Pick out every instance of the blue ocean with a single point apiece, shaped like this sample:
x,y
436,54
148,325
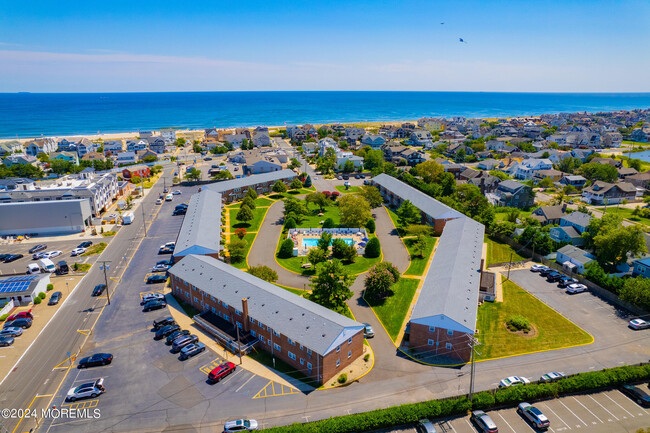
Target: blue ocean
x,y
31,114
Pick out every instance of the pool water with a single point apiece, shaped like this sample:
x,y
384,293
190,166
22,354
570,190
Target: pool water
x,y
310,243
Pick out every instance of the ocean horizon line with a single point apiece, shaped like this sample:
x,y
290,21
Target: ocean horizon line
x,y
27,92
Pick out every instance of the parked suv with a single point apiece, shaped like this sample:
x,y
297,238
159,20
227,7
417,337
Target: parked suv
x,y
37,248
553,277
24,323
159,323
181,342
165,331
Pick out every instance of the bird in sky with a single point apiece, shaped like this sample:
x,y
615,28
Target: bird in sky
x,y
442,23
462,41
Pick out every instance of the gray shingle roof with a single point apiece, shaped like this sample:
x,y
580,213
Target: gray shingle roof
x,y
303,321
244,182
425,203
576,254
510,185
570,231
451,285
578,218
201,229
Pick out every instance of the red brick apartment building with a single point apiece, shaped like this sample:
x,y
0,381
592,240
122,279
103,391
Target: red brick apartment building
x,y
310,338
235,189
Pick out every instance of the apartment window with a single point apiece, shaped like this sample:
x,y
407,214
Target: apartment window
x,y
448,346
196,299
293,343
262,339
338,363
226,317
450,332
237,312
302,361
432,329
430,342
277,334
349,341
309,367
338,349
253,333
214,310
349,354
277,347
224,305
301,347
239,325
292,355
250,319
309,352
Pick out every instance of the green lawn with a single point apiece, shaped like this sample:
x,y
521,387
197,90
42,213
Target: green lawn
x,y
250,226
418,264
553,330
259,202
500,253
393,216
342,190
313,220
265,358
95,249
392,311
362,264
298,292
250,237
625,213
502,216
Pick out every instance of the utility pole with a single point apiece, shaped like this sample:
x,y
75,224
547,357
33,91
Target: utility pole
x,y
104,266
472,343
144,222
509,266
238,343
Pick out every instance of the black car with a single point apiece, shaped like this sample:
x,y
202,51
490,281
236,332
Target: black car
x,y
166,250
24,322
158,278
95,360
553,277
181,206
346,177
99,289
362,176
165,262
85,244
37,248
565,281
179,212
159,323
55,298
357,176
3,257
165,331
6,341
176,334
156,304
545,272
13,257
636,393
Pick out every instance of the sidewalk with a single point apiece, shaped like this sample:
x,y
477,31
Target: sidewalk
x,y
185,322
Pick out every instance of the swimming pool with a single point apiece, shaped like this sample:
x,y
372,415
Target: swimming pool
x,y
310,243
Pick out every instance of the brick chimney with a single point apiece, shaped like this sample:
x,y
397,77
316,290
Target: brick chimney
x,y
244,309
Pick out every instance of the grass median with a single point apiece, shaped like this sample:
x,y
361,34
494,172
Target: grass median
x,y
392,310
500,253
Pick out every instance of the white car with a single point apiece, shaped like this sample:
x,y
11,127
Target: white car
x,y
37,256
151,297
86,390
11,331
240,425
513,381
159,201
552,376
576,288
638,324
50,254
77,251
169,197
160,268
538,268
169,245
534,416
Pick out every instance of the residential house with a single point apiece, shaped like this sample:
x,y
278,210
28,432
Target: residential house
x,y
612,139
639,180
354,133
581,154
566,234
572,226
421,137
136,170
261,164
296,133
641,135
527,168
327,143
490,164
624,172
93,156
135,145
126,158
44,145
20,158
310,130
157,144
12,146
413,156
342,156
573,258
310,148
511,193
261,137
484,181
608,193
169,135
13,183
373,140
641,268
71,157
113,146
142,154
552,174
243,131
147,134
576,181
613,162
549,214
85,146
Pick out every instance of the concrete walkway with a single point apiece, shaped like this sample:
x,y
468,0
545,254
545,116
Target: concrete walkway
x,y
391,245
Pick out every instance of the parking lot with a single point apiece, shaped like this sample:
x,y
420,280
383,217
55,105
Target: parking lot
x,y
603,412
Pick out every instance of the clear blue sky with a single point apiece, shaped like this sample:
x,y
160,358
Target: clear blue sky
x,y
545,46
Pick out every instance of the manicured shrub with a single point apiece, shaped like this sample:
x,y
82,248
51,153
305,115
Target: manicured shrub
x,y
37,300
286,249
251,193
42,295
373,248
240,233
370,225
248,201
366,357
50,287
518,323
4,317
342,378
290,223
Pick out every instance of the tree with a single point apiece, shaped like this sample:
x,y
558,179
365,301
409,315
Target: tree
x,y
595,171
636,291
318,199
373,248
503,228
559,197
150,158
196,148
136,179
331,286
156,169
293,164
245,214
408,214
370,225
42,157
372,195
295,184
194,174
240,232
460,155
294,207
308,181
429,171
223,175
264,272
547,182
538,240
374,160
635,164
325,240
325,164
354,211
279,187
613,244
286,249
380,279
289,223
338,248
316,256
237,249
250,192
181,141
248,202
569,165
328,223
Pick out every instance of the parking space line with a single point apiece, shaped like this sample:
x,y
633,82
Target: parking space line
x,y
88,404
558,417
243,384
587,409
207,368
507,423
606,410
619,405
271,392
469,424
567,408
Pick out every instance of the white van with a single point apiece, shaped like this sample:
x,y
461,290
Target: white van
x,y
47,265
33,268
